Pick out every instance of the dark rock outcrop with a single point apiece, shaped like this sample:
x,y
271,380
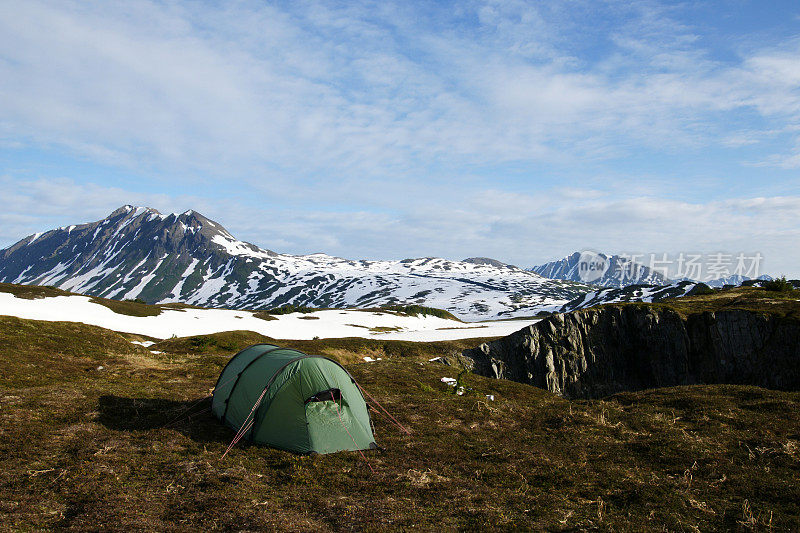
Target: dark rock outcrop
x,y
597,352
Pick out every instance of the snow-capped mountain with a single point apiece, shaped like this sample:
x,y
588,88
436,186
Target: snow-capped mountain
x,y
631,293
617,271
734,279
137,252
620,271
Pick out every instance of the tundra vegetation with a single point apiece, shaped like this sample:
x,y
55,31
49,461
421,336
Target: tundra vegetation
x,y
99,433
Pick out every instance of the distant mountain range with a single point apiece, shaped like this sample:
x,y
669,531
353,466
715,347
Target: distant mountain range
x,y
619,272
734,279
139,253
630,293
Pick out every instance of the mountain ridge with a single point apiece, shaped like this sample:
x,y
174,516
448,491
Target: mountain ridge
x,y
621,271
138,252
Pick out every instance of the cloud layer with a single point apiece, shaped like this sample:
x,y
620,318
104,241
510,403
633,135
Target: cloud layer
x,y
516,228
512,129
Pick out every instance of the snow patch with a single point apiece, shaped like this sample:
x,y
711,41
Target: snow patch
x,y
146,344
187,322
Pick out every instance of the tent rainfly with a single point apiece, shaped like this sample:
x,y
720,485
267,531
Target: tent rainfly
x,y
289,400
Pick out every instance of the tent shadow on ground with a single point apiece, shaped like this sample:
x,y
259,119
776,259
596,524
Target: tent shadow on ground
x,y
191,418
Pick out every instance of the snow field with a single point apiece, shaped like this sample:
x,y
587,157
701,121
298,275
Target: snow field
x,y
323,324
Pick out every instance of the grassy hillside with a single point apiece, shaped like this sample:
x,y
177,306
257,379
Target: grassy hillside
x,y
782,303
95,435
345,350
32,292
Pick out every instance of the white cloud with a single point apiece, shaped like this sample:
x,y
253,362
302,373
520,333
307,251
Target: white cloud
x,y
40,204
516,228
528,230
397,118
227,90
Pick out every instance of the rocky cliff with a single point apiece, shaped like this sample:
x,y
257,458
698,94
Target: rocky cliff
x,y
601,351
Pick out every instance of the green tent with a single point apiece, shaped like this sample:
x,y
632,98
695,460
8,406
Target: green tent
x,y
293,401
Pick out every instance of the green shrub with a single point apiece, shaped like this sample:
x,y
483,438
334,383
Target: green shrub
x,y
779,285
128,307
420,310
460,381
264,315
700,289
289,308
200,342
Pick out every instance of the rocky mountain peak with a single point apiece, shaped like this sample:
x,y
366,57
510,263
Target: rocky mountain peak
x,y
138,252
486,261
128,209
619,271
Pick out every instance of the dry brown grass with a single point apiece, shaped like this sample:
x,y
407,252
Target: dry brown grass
x,y
130,448
746,298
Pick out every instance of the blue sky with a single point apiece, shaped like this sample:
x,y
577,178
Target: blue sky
x,y
516,130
